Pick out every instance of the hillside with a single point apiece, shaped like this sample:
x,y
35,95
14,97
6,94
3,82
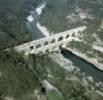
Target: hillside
x,y
17,82
50,76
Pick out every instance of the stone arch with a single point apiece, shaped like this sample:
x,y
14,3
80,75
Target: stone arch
x,y
67,36
46,43
79,32
53,41
31,47
60,38
47,51
73,34
38,46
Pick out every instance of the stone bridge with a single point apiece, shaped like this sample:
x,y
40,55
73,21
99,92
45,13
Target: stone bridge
x,y
51,43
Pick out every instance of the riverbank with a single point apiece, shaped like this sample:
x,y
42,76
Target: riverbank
x,y
62,61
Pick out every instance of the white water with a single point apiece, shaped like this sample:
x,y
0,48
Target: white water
x,y
39,9
30,18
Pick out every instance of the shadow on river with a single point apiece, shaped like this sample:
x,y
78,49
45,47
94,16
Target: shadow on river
x,y
83,65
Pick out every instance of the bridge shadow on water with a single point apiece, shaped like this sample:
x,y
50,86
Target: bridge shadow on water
x,y
85,66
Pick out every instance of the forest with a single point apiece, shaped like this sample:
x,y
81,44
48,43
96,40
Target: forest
x,y
16,80
13,25
64,15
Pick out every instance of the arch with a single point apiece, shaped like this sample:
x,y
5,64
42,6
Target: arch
x,y
67,36
31,47
73,34
79,32
60,39
53,41
46,51
38,45
45,43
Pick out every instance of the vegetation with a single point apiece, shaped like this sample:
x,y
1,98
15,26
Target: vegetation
x,y
80,46
16,80
13,28
55,14
53,95
72,85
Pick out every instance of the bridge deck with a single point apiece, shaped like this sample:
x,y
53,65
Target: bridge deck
x,y
51,41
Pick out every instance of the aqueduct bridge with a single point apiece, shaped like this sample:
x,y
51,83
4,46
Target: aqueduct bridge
x,y
51,43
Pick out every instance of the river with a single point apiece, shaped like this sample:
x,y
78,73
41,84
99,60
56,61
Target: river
x,y
36,33
85,66
33,19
